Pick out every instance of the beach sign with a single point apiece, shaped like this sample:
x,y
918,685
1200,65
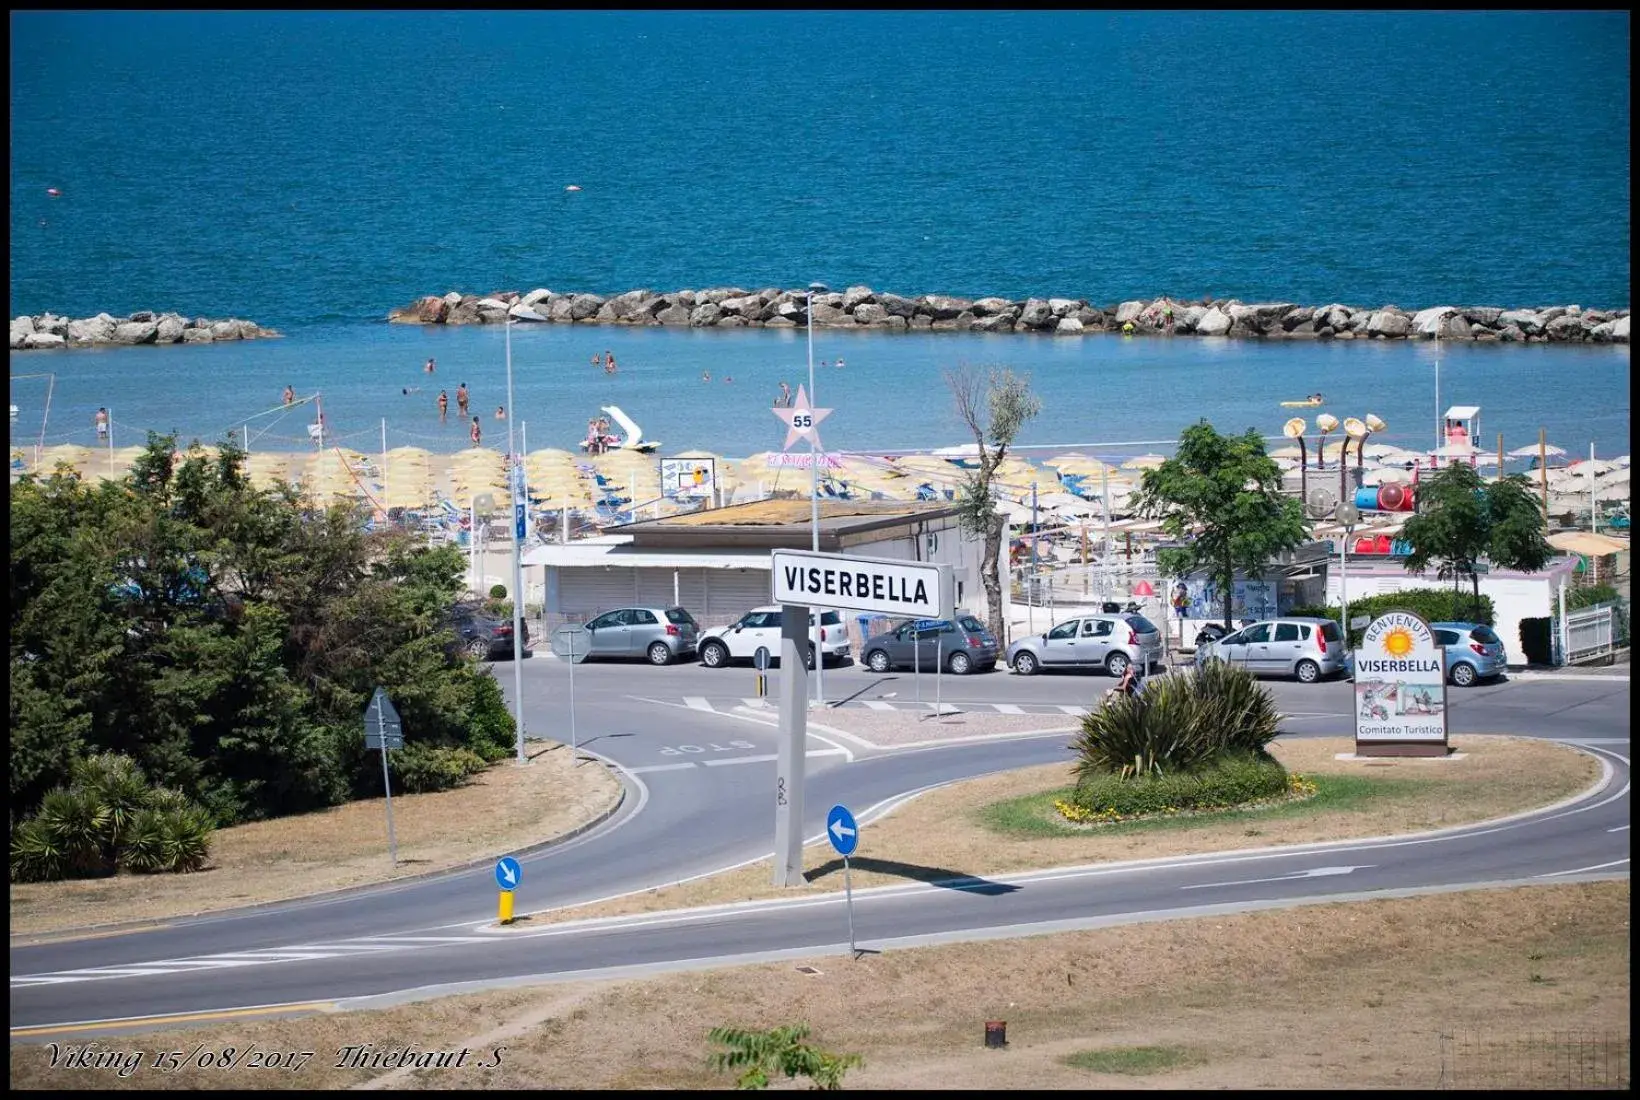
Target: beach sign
x,y
1400,689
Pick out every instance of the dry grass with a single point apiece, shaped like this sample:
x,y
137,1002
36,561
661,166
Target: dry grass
x,y
505,807
940,835
1334,996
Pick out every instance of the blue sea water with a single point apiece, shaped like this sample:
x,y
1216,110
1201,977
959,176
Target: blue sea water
x,y
312,171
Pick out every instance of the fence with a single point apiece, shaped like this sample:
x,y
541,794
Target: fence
x,y
1591,633
1537,1060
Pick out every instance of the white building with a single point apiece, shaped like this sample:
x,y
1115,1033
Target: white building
x,y
715,563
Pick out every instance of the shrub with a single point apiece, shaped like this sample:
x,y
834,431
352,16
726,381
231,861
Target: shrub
x,y
1179,723
498,591
1590,594
1230,781
758,1055
1433,604
421,769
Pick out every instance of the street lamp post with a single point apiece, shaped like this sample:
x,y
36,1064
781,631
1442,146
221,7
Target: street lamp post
x,y
814,500
514,477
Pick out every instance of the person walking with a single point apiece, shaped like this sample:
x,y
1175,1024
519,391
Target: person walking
x,y
477,433
102,425
461,399
443,406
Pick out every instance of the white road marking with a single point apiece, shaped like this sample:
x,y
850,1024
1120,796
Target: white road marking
x,y
1008,708
659,768
1068,709
1619,829
697,702
1313,872
756,702
766,757
414,939
875,704
1580,870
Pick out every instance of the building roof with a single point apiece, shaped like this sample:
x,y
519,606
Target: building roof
x,y
784,524
618,550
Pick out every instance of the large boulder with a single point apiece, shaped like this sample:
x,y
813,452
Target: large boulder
x,y
431,310
1620,330
1333,316
1566,327
856,296
539,294
789,311
197,335
943,307
1129,311
585,306
870,313
718,295
1428,322
44,340
1457,327
1601,333
897,305
994,322
1483,315
1215,322
1389,322
1068,326
1526,320
919,321
559,308
828,314
990,307
143,332
1036,314
492,305
1064,307
1552,313
1189,319
674,315
57,326
453,298
464,312
171,328
707,313
522,312
1298,316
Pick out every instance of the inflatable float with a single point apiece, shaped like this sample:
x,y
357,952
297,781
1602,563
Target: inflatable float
x,y
1305,404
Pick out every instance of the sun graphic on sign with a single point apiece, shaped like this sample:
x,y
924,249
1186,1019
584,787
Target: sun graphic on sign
x,y
1398,642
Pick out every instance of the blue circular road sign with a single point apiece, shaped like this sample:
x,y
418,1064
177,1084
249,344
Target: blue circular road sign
x,y
841,830
507,873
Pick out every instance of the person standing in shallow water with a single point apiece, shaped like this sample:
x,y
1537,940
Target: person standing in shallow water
x,y
429,367
477,433
609,362
461,398
443,406
290,395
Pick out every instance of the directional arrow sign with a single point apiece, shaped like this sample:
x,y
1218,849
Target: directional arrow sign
x,y
507,873
841,830
1313,872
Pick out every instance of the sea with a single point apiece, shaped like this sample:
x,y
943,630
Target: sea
x,y
313,170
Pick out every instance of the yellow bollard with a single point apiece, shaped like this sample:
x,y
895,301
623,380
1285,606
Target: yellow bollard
x,y
506,907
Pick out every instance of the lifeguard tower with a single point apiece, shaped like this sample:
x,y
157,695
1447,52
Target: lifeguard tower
x,y
1460,429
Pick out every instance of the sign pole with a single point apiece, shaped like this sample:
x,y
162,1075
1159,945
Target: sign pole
x,y
573,746
387,785
844,833
790,761
916,660
939,667
848,893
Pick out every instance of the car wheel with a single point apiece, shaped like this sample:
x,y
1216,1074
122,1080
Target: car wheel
x,y
877,661
714,655
1308,672
811,658
1116,664
960,664
1463,674
1025,664
659,654
478,647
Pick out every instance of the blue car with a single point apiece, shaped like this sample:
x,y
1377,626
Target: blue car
x,y
1474,652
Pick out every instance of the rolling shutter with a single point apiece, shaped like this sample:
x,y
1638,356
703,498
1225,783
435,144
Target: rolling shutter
x,y
730,593
585,591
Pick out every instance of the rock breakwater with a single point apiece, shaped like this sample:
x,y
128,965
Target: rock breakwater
x,y
47,330
863,307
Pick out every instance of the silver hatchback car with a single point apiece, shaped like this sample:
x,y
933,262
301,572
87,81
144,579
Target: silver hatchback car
x,y
1110,642
660,634
1307,648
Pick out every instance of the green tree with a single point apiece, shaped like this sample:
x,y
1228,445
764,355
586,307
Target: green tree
x,y
1462,520
759,1055
1220,498
994,404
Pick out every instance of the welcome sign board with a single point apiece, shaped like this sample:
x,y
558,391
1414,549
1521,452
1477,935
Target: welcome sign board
x,y
906,589
1400,689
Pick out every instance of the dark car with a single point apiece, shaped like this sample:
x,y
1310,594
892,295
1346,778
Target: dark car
x,y
962,645
484,636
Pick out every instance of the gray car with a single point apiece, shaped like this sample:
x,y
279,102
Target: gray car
x,y
962,645
1305,648
661,635
1109,642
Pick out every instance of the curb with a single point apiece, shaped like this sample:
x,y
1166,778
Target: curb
x,y
46,939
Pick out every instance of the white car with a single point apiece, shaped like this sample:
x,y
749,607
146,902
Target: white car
x,y
760,627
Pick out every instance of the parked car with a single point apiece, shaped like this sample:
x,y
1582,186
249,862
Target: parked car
x,y
1472,652
760,627
659,634
1212,632
1308,648
1110,642
961,645
483,635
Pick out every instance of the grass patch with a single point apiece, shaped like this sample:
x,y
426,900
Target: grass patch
x,y
1033,815
1133,1061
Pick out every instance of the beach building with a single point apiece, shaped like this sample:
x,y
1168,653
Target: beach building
x,y
715,562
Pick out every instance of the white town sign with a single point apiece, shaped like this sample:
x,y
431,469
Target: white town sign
x,y
1400,689
903,588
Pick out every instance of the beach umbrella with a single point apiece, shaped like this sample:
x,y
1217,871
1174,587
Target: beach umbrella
x,y
1292,451
1144,462
1532,452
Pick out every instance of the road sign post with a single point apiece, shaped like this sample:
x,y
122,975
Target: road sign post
x,y
801,581
384,731
844,835
572,642
508,874
761,660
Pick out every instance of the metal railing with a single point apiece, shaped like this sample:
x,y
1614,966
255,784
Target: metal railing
x,y
1590,633
1534,1060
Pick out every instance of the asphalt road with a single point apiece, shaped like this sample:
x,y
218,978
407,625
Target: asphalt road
x,y
700,779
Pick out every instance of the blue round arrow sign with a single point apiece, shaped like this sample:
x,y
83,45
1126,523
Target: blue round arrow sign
x,y
507,873
841,830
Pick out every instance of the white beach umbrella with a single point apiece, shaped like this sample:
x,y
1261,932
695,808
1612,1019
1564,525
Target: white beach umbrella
x,y
1532,452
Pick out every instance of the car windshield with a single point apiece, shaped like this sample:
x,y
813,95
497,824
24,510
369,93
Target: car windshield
x,y
971,624
680,616
1141,624
1484,635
